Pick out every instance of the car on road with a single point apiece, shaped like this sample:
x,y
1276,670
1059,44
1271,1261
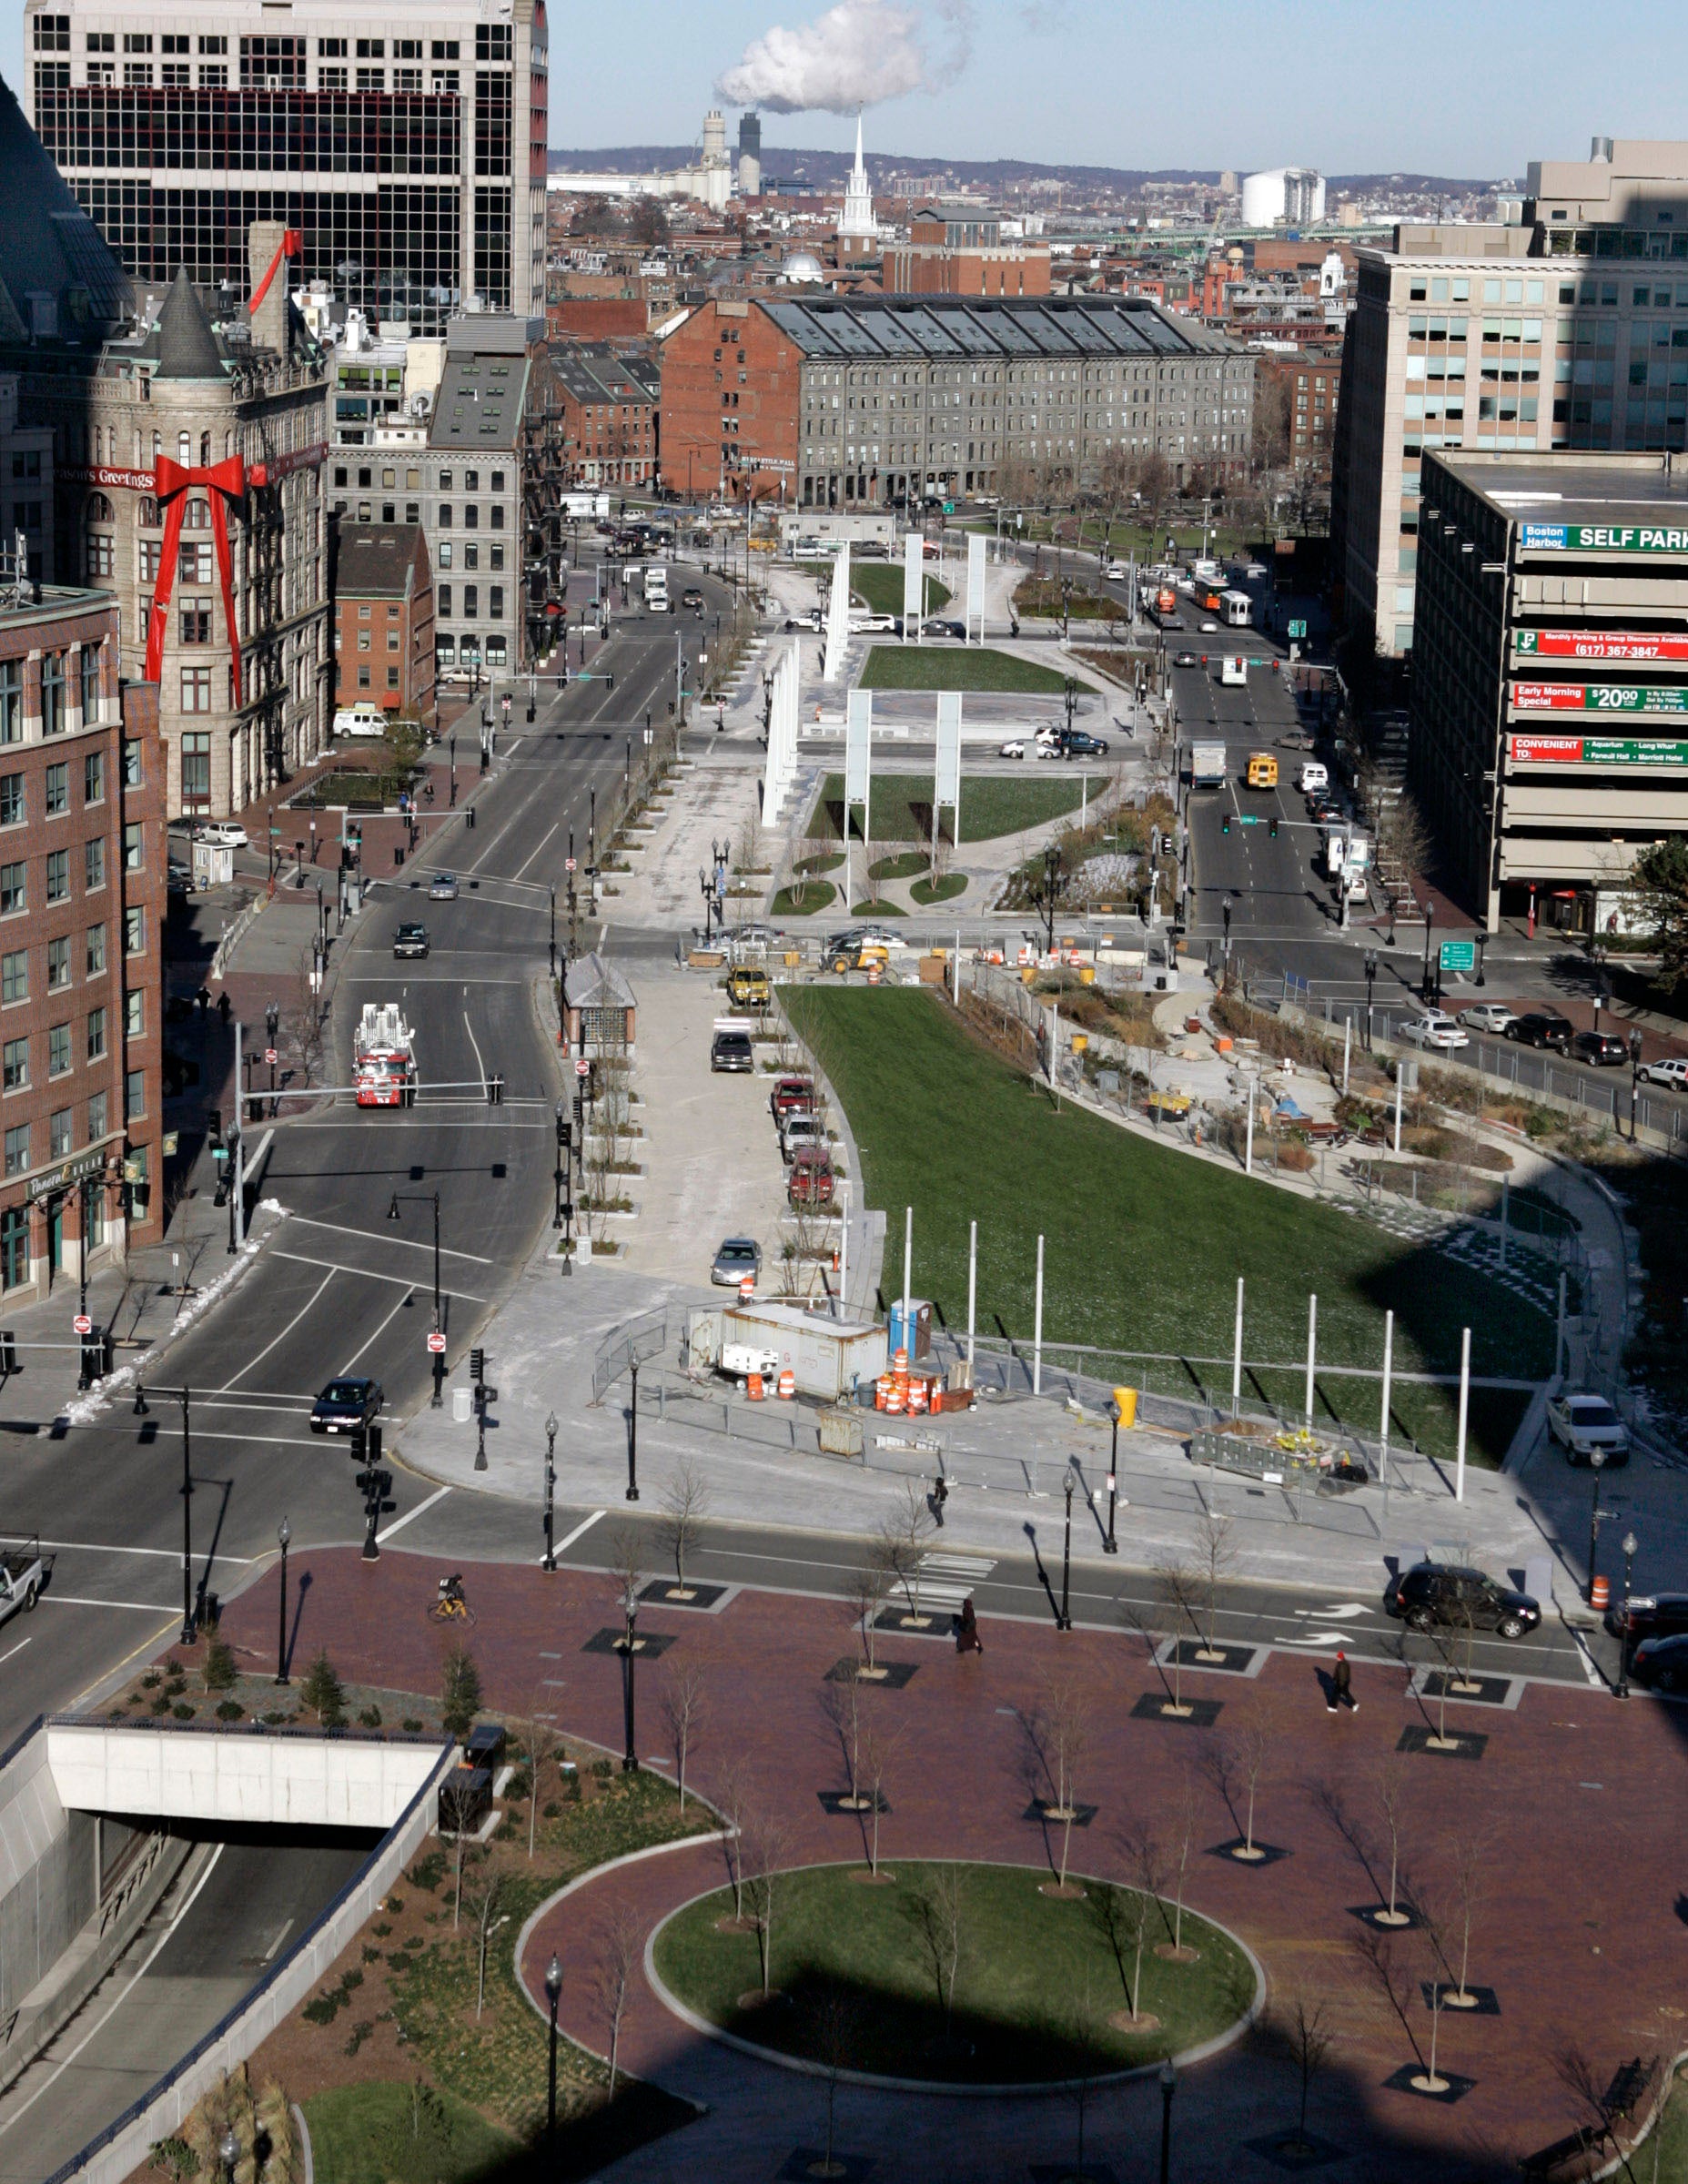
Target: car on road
x,y
730,1053
345,1405
222,833
1599,1049
692,597
410,940
1436,1029
365,718
872,625
738,1256
1314,779
1589,1430
179,877
1011,750
1672,1070
1448,1593
1649,1615
1486,1016
25,1570
1116,572
758,936
1081,743
1185,660
1209,629
1541,1027
1662,1663
442,887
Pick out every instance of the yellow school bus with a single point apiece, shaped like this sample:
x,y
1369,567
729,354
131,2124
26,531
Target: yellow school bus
x,y
1262,769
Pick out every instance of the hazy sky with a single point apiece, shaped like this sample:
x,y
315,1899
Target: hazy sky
x,y
1472,88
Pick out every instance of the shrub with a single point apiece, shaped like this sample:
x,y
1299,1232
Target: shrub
x,y
229,1710
217,1669
322,1693
410,1726
459,1696
370,1717
182,1711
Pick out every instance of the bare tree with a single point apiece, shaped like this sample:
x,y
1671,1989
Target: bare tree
x,y
766,1853
840,1707
627,1567
1215,1557
733,1802
1465,1896
864,1598
901,1548
457,1811
1059,1734
307,1025
937,1912
832,2021
542,1740
684,1696
880,1746
1120,1917
487,1922
1303,2029
1390,1793
1249,1746
1608,2103
1376,1953
1178,1586
618,1945
685,1504
1180,1842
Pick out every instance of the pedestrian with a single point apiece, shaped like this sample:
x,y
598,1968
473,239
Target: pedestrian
x,y
222,1006
967,1639
1341,1685
940,1495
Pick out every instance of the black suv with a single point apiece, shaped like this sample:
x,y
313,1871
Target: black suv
x,y
344,1405
1650,1615
1443,1592
1541,1027
730,1050
1600,1050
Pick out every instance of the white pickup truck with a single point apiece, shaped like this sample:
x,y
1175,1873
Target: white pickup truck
x,y
24,1572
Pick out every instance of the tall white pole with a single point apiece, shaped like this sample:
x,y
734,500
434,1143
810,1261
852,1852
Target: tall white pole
x,y
1312,1349
1559,1330
1347,1047
1237,1355
1465,1397
973,1289
1038,1328
1389,1367
844,1248
239,1177
1398,1106
908,1271
957,978
1247,1158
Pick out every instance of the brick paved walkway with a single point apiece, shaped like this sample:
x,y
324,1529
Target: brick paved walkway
x,y
1576,1800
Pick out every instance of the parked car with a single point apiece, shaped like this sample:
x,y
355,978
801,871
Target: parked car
x,y
738,1256
1649,1615
410,940
1541,1027
790,1096
179,879
731,1051
1447,1593
1661,1663
1434,1029
345,1404
1599,1049
748,989
692,597
1011,749
757,936
1589,1430
222,833
364,718
1486,1016
442,887
800,1127
1081,743
1672,1071
1209,629
1314,777
811,1181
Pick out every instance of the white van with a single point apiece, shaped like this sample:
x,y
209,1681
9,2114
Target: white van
x,y
1313,778
361,719
1233,669
656,589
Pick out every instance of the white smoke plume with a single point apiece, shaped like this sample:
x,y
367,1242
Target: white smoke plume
x,y
857,55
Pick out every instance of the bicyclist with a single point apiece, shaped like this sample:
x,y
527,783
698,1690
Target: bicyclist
x,y
451,1588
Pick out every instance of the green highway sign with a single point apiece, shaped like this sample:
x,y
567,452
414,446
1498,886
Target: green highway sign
x,y
1298,628
1459,954
949,508
1249,818
1603,538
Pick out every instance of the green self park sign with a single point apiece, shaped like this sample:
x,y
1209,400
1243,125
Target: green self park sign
x,y
1603,538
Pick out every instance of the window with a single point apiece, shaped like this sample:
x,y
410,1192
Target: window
x,y
94,863
12,800
444,555
472,600
14,977
134,1016
445,598
445,515
133,846
196,690
134,932
195,621
98,1112
13,891
11,701
471,517
53,693
94,777
59,964
58,875
135,1093
17,1150
94,957
58,1050
14,1064
97,1034
495,601
56,783
60,1127
132,774
196,772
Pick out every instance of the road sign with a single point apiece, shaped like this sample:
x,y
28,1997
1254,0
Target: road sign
x,y
1459,954
1249,818
1298,628
582,1068
568,865
436,1344
83,1324
271,1056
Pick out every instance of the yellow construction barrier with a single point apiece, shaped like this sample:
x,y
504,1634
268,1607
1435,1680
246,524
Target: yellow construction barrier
x,y
1125,1406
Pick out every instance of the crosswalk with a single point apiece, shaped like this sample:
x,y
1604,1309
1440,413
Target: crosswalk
x,y
947,1580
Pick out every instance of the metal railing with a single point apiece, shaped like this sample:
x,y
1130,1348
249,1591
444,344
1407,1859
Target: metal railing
x,y
633,1342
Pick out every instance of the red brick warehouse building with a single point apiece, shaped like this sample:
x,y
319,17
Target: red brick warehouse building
x,y
607,405
384,618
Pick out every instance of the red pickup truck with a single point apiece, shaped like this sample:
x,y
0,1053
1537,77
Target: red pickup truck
x,y
791,1096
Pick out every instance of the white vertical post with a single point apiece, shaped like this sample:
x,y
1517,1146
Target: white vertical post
x,y
1237,1355
973,1288
1347,1047
844,1248
958,973
1559,1330
908,1271
1504,1211
1055,1046
1389,1367
1247,1158
1398,1106
1465,1397
1038,1328
1312,1350
238,1180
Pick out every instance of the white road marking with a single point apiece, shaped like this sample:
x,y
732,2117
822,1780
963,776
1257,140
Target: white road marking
x,y
16,1649
364,1274
302,1220
479,1065
50,1599
270,1952
286,1332
1344,1611
1319,1638
375,1338
528,860
581,1529
167,1554
411,1516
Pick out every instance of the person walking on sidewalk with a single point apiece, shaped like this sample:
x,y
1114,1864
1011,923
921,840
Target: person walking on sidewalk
x,y
940,1495
1341,1685
967,1639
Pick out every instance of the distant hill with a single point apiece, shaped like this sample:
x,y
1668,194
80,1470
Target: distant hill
x,y
829,170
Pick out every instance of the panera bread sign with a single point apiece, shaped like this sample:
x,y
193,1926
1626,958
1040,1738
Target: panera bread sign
x,y
1602,538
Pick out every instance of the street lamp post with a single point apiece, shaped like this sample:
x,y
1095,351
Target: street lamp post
x,y
550,1483
84,1194
427,1198
1067,1561
633,1435
283,1532
629,1647
1371,975
141,1410
553,1995
1111,1546
1168,2087
1595,1516
1630,1544
1634,1081
1429,920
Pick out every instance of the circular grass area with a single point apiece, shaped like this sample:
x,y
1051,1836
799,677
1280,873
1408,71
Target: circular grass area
x,y
903,865
944,889
804,900
878,910
1043,1983
828,861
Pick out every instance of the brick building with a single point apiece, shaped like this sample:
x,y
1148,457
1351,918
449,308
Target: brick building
x,y
960,250
384,618
81,907
1310,384
836,402
608,409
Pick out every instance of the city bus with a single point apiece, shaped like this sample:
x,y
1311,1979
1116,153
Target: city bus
x,y
1238,609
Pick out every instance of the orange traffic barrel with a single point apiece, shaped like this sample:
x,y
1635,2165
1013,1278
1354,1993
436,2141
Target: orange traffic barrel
x,y
900,1360
1600,1592
753,1387
917,1395
896,1395
787,1384
934,1402
747,1288
872,974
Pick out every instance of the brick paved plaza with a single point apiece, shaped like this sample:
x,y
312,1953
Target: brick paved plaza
x,y
1570,1814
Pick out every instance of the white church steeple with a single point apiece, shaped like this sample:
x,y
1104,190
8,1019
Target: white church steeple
x,y
856,223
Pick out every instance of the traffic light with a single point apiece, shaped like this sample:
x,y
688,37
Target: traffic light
x,y
375,1446
359,1443
477,1366
1225,822
214,1125
1272,830
93,1358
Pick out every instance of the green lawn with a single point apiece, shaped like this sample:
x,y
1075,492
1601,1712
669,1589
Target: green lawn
x,y
1143,1245
1035,1991
944,889
992,805
879,584
383,2133
951,667
804,900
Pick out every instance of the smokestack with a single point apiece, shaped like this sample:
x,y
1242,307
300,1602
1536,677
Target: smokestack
x,y
1599,151
265,241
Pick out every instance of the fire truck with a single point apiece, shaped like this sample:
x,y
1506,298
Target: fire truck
x,y
385,1057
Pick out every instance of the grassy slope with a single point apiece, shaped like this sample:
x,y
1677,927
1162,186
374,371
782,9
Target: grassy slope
x,y
1143,1245
947,667
992,805
1027,1963
372,2134
880,586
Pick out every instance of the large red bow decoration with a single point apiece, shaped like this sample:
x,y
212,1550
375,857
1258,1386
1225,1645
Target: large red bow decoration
x,y
224,481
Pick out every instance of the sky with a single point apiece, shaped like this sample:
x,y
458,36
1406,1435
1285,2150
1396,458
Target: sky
x,y
1458,88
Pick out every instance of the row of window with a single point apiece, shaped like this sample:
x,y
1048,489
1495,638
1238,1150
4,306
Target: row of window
x,y
15,1053
54,692
14,962
60,1145
54,790
471,602
470,483
469,650
13,875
